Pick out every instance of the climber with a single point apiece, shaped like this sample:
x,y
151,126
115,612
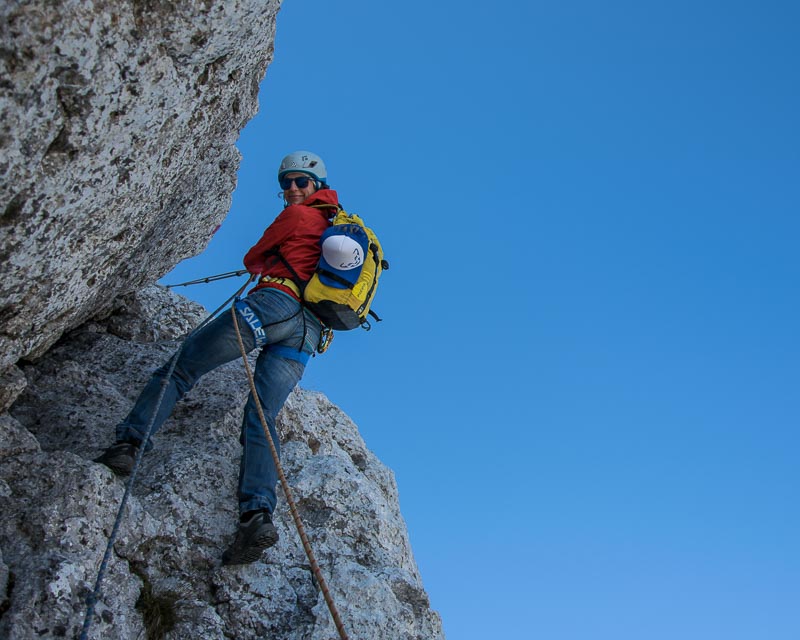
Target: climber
x,y
271,319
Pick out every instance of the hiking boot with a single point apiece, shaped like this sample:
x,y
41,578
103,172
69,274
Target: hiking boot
x,y
119,457
255,534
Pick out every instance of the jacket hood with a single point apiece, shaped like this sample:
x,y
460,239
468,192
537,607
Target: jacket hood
x,y
323,196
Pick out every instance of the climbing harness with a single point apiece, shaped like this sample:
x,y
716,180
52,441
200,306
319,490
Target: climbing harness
x,y
323,585
219,276
286,282
94,596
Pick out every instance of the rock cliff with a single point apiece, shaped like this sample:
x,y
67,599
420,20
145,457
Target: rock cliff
x,y
58,506
117,129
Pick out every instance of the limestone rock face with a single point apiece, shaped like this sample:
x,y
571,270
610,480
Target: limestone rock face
x,y
165,574
117,129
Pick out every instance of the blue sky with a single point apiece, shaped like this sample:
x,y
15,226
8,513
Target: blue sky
x,y
586,381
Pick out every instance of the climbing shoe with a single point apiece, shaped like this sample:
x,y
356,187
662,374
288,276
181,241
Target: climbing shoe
x,y
119,457
255,534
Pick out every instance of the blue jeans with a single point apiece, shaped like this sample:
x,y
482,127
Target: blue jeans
x,y
287,336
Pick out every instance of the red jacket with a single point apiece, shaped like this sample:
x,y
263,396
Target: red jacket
x,y
295,233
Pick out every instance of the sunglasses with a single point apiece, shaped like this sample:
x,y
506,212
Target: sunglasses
x,y
301,182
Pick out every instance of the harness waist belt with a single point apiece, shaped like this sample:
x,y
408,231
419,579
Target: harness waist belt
x,y
286,282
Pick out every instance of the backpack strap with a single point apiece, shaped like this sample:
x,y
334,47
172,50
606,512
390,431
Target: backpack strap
x,y
335,277
301,284
295,279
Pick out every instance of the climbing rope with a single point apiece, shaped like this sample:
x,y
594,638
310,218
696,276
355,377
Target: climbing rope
x,y
94,596
206,280
323,585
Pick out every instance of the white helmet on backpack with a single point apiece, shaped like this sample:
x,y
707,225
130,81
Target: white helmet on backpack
x,y
304,162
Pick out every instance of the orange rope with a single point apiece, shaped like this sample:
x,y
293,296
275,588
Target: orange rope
x,y
287,490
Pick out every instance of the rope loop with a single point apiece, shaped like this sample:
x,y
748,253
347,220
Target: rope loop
x,y
94,596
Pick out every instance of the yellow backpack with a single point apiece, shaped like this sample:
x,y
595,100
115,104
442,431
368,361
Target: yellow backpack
x,y
343,286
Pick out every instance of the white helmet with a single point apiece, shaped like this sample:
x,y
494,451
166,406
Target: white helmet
x,y
304,162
